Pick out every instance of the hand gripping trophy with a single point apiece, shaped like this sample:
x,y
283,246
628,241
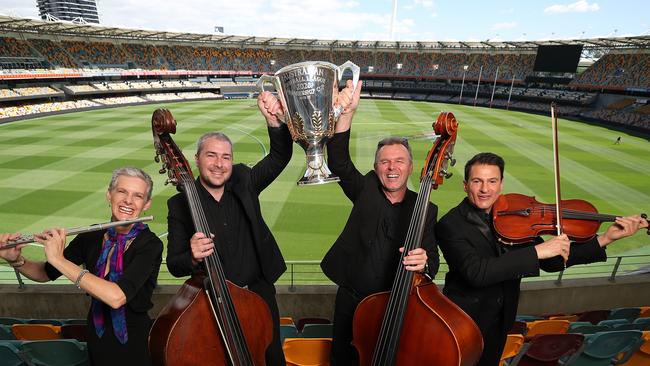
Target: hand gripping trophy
x,y
306,91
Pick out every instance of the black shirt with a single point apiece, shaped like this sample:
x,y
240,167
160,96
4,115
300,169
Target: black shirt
x,y
376,271
232,237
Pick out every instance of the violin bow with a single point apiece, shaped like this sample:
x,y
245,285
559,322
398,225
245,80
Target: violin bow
x,y
556,171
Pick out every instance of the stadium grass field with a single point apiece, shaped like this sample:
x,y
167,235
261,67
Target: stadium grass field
x,y
54,170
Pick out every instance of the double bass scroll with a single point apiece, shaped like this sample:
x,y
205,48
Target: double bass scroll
x,y
414,324
210,320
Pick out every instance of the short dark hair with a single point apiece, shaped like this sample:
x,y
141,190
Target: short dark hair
x,y
393,140
484,158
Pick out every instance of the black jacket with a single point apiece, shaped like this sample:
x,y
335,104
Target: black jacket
x,y
484,279
246,184
341,261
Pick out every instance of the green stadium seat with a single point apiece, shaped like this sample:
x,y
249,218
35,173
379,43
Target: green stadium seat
x,y
304,321
604,348
630,313
44,321
11,321
632,326
288,331
613,322
317,331
6,333
589,329
75,321
61,352
10,355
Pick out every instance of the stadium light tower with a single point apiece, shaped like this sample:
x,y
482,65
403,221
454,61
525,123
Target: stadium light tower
x,y
462,85
392,21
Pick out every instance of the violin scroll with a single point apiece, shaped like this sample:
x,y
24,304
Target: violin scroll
x,y
439,157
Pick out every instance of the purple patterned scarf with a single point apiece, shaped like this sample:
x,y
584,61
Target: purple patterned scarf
x,y
112,238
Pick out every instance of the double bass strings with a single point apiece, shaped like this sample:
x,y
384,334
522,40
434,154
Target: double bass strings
x,y
226,316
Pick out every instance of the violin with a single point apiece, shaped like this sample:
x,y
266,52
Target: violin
x,y
518,219
414,324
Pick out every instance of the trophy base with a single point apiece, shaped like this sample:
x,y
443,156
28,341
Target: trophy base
x,y
317,179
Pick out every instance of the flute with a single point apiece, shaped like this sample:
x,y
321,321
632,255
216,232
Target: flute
x,y
23,239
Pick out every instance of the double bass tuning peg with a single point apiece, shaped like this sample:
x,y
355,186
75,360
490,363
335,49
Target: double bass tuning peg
x,y
452,162
446,174
156,159
162,170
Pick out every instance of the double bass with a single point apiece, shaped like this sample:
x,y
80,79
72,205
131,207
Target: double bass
x,y
210,320
414,324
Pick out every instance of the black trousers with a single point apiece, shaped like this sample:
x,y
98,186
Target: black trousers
x,y
494,339
343,352
274,354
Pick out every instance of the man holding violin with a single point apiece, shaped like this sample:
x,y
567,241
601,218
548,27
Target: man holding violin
x,y
484,275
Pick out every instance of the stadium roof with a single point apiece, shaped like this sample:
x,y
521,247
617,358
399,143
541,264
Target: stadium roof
x,y
27,26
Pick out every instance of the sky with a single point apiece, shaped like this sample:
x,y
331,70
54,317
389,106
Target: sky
x,y
416,20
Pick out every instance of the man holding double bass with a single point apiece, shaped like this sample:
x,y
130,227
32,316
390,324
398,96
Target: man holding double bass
x,y
229,196
484,275
365,256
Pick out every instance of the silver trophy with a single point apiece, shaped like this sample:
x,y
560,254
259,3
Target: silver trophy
x,y
306,92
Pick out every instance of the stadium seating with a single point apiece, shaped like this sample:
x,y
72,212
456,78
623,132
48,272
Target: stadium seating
x,y
629,313
546,327
603,348
307,351
642,356
10,355
303,321
548,349
514,343
288,331
32,332
62,352
317,331
6,333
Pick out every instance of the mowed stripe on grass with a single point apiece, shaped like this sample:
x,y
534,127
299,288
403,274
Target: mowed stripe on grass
x,y
54,170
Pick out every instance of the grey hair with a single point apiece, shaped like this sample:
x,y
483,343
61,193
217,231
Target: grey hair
x,y
211,135
393,140
130,171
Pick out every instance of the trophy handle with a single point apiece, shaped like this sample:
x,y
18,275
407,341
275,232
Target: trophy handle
x,y
339,75
264,79
355,72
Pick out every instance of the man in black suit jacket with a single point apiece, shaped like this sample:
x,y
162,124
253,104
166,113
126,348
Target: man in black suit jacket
x,y
364,258
484,275
229,196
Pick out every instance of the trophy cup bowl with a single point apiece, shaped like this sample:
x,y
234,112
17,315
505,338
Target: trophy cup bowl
x,y
306,91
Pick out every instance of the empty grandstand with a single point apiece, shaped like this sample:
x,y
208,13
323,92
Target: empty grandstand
x,y
56,62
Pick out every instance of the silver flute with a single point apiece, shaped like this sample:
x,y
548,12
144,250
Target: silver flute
x,y
23,239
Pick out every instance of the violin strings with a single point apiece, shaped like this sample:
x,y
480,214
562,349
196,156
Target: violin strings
x,y
573,213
